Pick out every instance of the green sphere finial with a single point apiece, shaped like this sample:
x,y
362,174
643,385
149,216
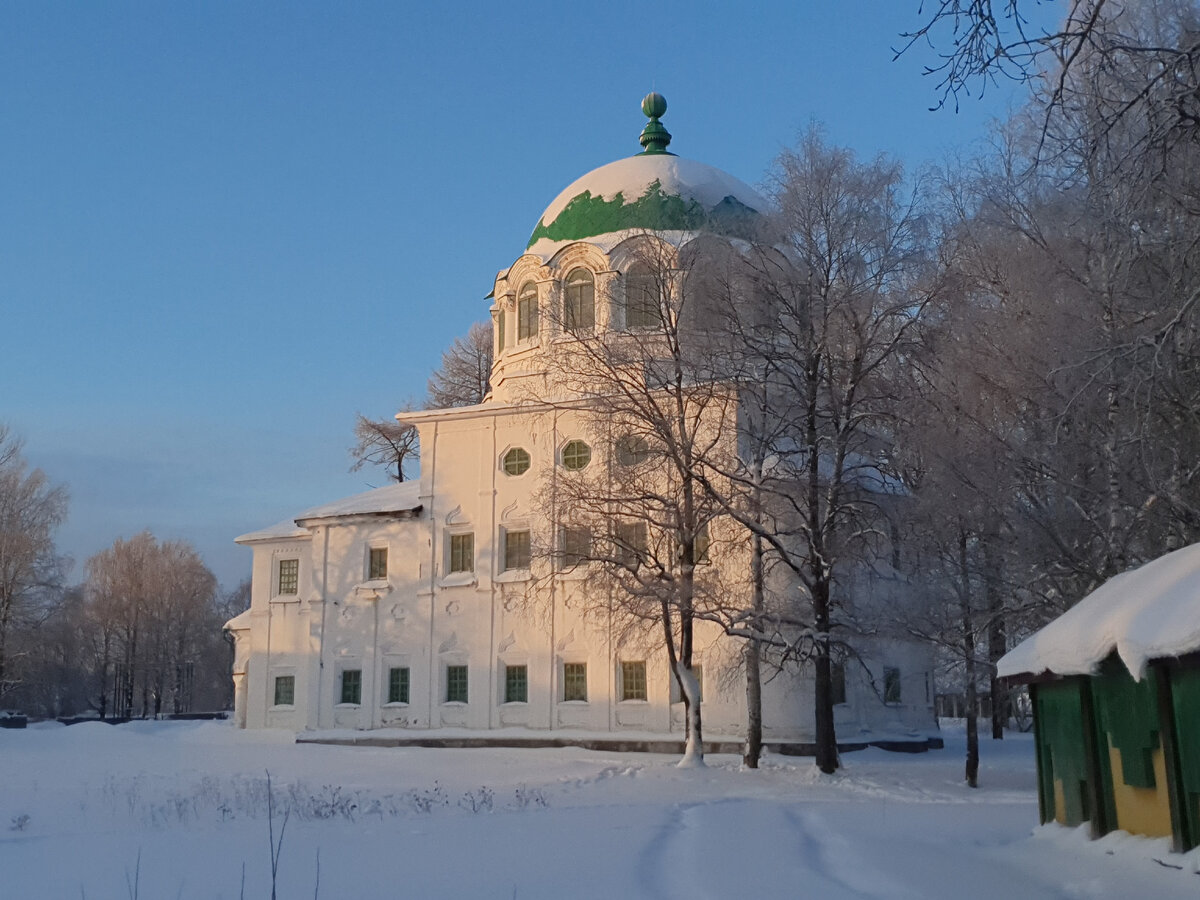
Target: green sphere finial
x,y
655,137
654,105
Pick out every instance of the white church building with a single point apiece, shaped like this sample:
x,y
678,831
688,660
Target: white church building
x,y
428,605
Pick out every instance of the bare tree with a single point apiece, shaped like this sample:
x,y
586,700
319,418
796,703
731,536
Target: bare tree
x,y
648,391
820,327
388,444
463,377
155,617
1147,54
30,510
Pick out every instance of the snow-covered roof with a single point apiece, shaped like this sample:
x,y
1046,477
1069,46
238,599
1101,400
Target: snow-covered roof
x,y
240,622
656,191
395,498
1147,613
280,530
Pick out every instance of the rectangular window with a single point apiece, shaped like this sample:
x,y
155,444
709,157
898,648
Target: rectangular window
x,y
891,685
574,546
377,565
516,684
289,576
456,684
500,330
701,544
698,674
837,678
527,318
631,543
285,690
633,681
516,550
575,681
398,685
462,553
352,686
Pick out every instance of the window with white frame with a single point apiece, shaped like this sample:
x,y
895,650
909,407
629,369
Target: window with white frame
x,y
398,683
576,455
632,543
351,686
462,552
574,546
377,564
633,680
579,302
516,461
516,549
456,684
527,313
891,684
516,684
289,576
285,690
575,681
642,307
701,545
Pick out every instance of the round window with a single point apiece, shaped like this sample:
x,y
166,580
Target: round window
x,y
516,461
576,455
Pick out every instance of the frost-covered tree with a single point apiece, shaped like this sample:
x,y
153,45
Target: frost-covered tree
x,y
462,378
30,511
155,623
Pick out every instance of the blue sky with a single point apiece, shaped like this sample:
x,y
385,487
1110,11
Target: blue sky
x,y
225,228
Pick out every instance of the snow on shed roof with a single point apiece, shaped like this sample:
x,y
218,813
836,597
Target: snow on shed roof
x,y
1147,613
394,498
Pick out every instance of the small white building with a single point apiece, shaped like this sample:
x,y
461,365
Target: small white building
x,y
421,605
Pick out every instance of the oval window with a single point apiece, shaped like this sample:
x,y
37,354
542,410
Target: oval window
x,y
576,455
516,461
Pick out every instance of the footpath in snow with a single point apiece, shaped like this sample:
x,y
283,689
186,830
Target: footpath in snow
x,y
180,810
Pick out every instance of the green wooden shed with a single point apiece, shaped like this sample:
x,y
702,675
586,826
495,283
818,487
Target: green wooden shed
x,y
1115,683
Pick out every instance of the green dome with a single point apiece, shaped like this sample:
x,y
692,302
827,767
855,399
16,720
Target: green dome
x,y
650,191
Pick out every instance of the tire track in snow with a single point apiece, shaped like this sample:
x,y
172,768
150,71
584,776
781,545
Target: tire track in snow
x,y
738,847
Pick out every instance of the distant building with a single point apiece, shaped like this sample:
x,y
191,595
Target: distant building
x,y
420,605
1115,683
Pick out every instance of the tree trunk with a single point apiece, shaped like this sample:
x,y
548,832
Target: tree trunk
x,y
968,626
997,638
826,736
753,671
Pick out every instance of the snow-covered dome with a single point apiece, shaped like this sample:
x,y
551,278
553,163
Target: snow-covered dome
x,y
654,190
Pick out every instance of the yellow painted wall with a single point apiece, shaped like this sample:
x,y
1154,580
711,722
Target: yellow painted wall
x,y
1060,803
1141,810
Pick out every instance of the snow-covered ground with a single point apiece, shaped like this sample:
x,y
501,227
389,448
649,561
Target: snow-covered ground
x,y
178,810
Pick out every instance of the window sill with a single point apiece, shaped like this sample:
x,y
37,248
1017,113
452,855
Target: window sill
x,y
396,704
454,703
515,704
286,598
636,701
376,587
513,575
575,573
283,707
574,702
347,706
459,579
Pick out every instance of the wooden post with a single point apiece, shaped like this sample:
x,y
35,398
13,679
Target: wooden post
x,y
1181,839
1098,814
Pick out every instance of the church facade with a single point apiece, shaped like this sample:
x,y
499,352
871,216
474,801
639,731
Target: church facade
x,y
465,599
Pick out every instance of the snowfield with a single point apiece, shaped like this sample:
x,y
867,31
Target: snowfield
x,y
179,810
